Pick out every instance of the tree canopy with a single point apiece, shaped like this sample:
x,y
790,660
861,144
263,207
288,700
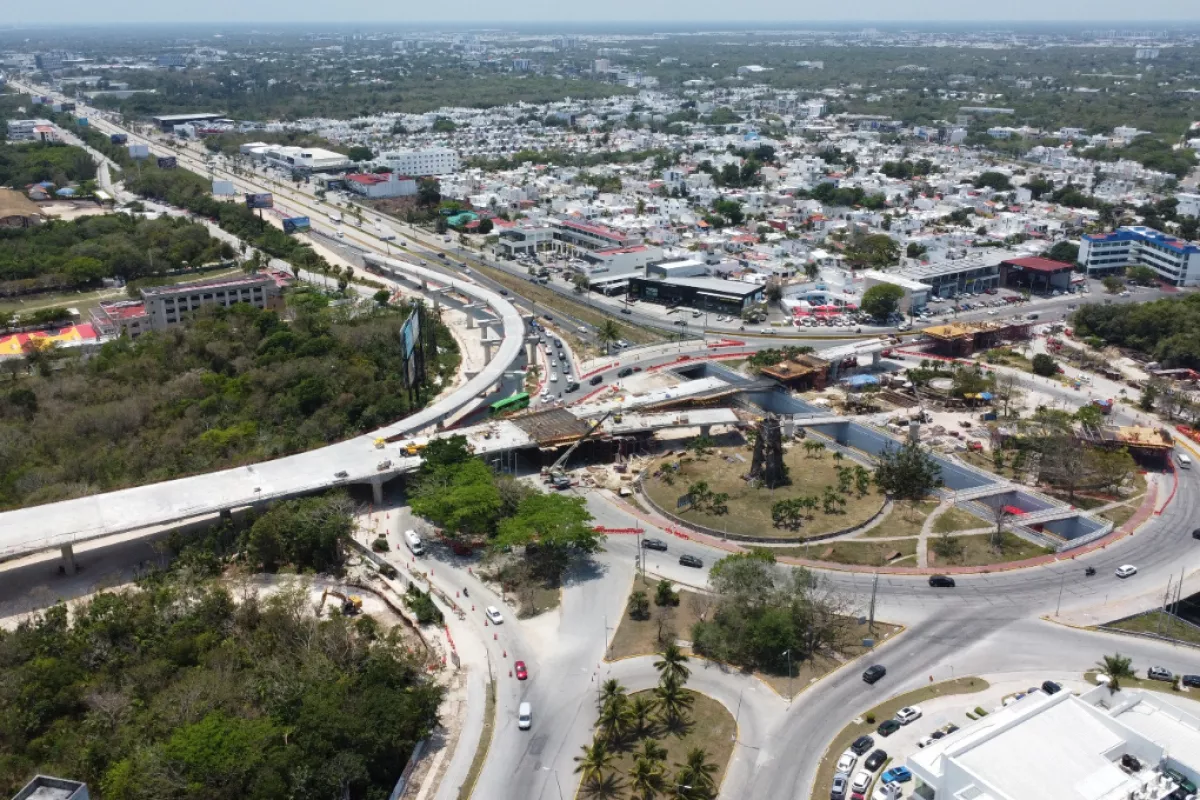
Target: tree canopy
x,y
881,300
34,162
1167,330
907,472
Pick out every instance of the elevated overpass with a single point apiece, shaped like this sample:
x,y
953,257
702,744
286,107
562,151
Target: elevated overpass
x,y
67,522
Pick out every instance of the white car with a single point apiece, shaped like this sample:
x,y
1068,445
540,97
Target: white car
x,y
861,781
846,762
925,741
554,377
887,791
494,616
908,714
1126,570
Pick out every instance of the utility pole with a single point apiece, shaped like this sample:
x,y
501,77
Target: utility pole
x,y
1061,584
788,653
874,590
1163,613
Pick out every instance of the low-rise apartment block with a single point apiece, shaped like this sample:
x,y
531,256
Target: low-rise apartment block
x,y
1176,261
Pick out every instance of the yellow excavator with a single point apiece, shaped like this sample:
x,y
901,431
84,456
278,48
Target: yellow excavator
x,y
351,604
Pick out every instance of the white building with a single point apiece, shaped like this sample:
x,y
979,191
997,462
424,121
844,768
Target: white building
x,y
1176,261
1066,747
301,159
916,293
429,161
1189,204
379,185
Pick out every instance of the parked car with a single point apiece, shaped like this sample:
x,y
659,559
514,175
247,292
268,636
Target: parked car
x,y
941,581
862,779
908,715
887,791
888,727
654,544
1050,687
875,760
1190,681
846,762
1196,533
862,744
341,474
874,672
494,616
1126,570
925,741
1160,674
838,790
896,775
521,672
691,561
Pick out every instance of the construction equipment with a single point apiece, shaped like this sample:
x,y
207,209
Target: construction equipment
x,y
351,604
379,443
412,448
557,477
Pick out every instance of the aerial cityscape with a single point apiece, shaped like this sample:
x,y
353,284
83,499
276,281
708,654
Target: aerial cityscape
x,y
705,403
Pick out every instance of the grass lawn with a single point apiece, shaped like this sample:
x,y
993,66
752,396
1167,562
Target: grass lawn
x,y
984,461
903,520
1121,514
955,519
855,551
640,637
712,728
749,507
485,744
1134,683
1159,623
977,551
881,712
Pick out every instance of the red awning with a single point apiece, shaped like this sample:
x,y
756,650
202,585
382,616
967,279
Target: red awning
x,y
1013,510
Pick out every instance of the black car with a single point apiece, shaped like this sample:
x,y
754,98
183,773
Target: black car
x,y
504,292
654,544
625,373
572,386
874,673
875,760
625,310
1050,687
1191,681
690,561
596,380
941,581
1196,533
888,727
862,744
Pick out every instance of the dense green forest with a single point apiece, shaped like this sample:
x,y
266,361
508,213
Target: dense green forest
x,y
79,253
175,691
236,386
1167,330
32,162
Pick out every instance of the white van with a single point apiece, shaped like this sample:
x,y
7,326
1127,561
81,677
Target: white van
x,y
414,543
1183,461
525,716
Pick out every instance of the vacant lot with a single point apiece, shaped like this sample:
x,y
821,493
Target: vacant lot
x,y
858,551
1159,623
749,506
977,551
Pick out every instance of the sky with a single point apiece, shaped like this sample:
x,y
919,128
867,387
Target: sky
x,y
679,13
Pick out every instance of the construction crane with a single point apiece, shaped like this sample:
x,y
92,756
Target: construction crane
x,y
558,478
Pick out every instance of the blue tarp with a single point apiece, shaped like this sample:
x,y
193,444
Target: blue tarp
x,y
861,380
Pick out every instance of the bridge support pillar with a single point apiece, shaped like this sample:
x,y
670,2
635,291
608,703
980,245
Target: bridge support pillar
x,y
226,515
68,557
424,285
377,490
531,351
470,321
834,369
705,430
488,347
875,358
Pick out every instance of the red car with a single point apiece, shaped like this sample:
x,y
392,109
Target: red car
x,y
522,673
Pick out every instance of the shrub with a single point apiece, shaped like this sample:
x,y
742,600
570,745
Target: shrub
x,y
870,719
422,606
380,545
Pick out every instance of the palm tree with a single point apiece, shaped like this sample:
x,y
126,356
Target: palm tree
x,y
594,762
606,787
673,664
616,719
652,751
673,700
699,773
1117,667
641,709
610,689
608,332
646,779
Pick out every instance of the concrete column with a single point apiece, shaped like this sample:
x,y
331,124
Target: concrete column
x,y
834,369
914,431
424,285
68,557
531,351
485,328
487,351
470,321
705,430
226,515
377,490
875,359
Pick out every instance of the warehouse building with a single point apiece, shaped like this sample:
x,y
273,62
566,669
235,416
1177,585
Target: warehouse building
x,y
381,185
167,122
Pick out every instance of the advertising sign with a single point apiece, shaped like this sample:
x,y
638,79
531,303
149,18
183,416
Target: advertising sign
x,y
293,224
139,151
408,335
264,200
118,138
223,188
167,162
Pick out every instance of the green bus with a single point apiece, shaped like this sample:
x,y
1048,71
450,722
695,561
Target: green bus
x,y
514,403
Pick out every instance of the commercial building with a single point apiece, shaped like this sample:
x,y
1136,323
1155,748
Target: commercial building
x,y
575,237
24,130
1096,746
682,268
916,293
298,159
1176,261
113,318
378,185
1189,204
524,240
428,161
168,305
44,787
1036,274
955,276
706,294
620,260
167,122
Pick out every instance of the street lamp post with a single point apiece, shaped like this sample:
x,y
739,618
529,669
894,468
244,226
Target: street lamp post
x,y
788,653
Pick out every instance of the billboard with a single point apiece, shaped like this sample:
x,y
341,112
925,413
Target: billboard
x,y
139,151
293,224
118,138
82,122
167,162
264,200
223,188
409,334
